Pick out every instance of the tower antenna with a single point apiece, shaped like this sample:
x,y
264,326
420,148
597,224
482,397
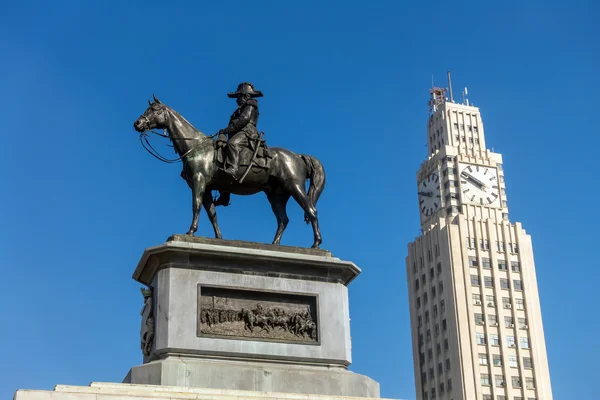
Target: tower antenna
x,y
450,87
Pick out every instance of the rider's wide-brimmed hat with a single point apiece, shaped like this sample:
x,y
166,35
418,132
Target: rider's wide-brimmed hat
x,y
245,88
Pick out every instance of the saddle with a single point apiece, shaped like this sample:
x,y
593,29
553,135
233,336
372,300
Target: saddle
x,y
261,162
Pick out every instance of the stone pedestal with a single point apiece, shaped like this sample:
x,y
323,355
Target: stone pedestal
x,y
116,391
245,316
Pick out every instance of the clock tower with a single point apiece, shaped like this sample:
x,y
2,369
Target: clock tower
x,y
474,306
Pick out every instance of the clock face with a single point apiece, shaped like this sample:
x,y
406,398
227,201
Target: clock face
x,y
479,185
430,199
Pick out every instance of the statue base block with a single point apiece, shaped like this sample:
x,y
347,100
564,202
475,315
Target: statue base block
x,y
254,377
237,315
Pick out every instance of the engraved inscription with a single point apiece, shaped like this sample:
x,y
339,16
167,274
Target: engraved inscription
x,y
252,314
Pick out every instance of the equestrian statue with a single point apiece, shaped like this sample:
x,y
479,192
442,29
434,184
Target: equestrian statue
x,y
237,161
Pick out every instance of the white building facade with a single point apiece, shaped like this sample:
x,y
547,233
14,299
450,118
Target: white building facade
x,y
474,306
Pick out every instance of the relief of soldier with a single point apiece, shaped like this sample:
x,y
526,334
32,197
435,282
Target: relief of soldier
x,y
300,324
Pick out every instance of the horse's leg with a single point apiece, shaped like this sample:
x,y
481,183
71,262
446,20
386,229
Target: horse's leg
x,y
209,206
278,204
198,187
297,191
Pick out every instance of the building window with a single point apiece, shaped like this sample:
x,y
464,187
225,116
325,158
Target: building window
x,y
479,319
430,354
433,292
485,262
425,298
510,341
431,375
418,302
494,340
438,349
470,243
487,397
516,382
440,369
435,311
437,329
462,127
423,377
420,339
483,359
522,323
416,285
446,345
448,366
433,393
513,362
426,316
441,287
443,306
476,299
502,265
504,283
519,305
527,364
524,342
441,387
414,266
490,300
420,319
493,319
475,280
499,380
497,360
509,322
439,268
488,281
428,335
455,125
431,273
485,379
444,324
506,302
517,284
449,385
515,266
530,383
480,337
473,261
423,279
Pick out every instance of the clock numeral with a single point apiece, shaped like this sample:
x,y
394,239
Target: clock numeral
x,y
435,205
473,198
466,190
481,200
490,201
421,201
469,169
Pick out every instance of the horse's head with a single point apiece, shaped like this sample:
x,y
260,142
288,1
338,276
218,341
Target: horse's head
x,y
153,118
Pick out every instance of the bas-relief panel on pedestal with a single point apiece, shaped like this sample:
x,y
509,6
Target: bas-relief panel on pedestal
x,y
257,315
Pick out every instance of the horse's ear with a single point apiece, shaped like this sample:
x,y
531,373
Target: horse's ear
x,y
149,103
156,100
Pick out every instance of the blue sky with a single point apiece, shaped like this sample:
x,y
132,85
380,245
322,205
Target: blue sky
x,y
346,82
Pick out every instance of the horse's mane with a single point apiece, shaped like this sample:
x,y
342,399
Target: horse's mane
x,y
185,120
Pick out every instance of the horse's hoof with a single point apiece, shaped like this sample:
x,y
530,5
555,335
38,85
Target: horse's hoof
x,y
190,232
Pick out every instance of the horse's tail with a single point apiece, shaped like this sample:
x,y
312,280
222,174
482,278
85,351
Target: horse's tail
x,y
316,173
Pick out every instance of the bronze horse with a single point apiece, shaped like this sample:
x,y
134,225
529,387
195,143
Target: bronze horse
x,y
284,176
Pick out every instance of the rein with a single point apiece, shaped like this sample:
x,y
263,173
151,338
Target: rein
x,y
153,152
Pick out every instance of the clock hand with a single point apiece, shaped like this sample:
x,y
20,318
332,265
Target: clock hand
x,y
474,180
428,194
